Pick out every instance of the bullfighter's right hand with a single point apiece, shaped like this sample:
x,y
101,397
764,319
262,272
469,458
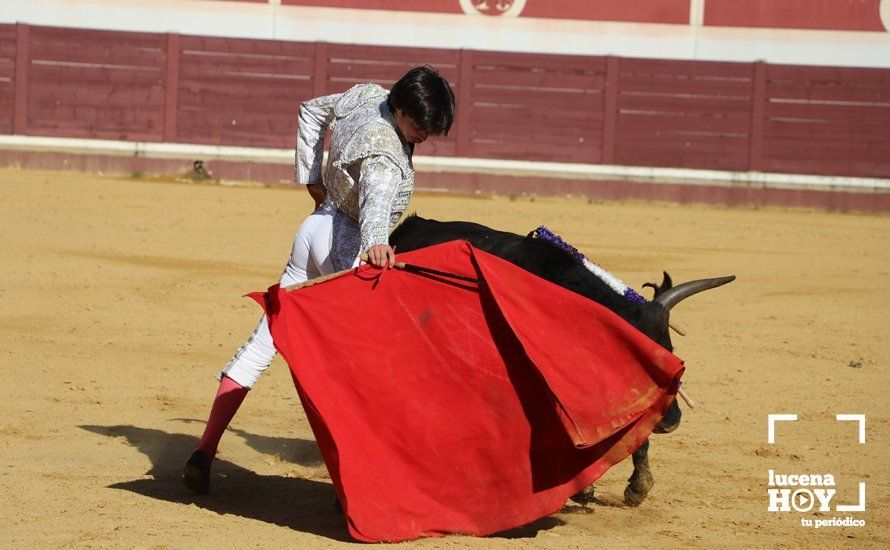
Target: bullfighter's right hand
x,y
382,255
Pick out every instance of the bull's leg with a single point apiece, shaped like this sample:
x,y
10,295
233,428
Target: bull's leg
x,y
640,481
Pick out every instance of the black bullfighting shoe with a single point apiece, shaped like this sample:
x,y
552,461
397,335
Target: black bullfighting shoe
x,y
196,474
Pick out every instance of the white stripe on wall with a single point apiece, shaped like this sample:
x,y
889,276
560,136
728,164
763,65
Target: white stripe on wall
x,y
557,170
697,13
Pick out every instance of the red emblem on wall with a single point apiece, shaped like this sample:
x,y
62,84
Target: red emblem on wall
x,y
510,8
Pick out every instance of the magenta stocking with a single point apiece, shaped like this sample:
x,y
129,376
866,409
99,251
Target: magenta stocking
x,y
229,397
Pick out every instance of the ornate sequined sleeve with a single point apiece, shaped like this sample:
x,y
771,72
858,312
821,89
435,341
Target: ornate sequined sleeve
x,y
379,181
314,118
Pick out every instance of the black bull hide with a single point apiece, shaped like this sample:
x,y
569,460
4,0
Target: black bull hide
x,y
551,262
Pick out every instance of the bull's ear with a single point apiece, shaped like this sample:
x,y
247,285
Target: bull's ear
x,y
666,284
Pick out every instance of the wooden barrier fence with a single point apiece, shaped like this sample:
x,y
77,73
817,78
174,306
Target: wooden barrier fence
x,y
562,108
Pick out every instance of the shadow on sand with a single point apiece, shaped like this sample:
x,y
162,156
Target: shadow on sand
x,y
304,452
300,504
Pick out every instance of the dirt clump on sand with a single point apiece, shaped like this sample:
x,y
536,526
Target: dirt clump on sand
x,y
121,299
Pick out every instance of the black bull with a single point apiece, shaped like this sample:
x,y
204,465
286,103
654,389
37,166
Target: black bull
x,y
557,265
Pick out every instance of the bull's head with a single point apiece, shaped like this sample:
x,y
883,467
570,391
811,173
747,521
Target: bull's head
x,y
667,296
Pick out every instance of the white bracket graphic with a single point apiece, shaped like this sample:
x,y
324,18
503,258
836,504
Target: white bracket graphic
x,y
860,418
771,425
855,418
854,508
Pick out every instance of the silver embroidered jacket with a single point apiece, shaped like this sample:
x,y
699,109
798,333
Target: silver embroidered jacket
x,y
369,175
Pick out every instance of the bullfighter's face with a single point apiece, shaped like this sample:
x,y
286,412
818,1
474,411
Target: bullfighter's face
x,y
409,129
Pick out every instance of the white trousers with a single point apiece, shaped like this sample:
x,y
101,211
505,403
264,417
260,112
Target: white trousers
x,y
309,258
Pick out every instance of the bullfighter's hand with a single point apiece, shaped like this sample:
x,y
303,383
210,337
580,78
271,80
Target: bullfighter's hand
x,y
382,255
318,192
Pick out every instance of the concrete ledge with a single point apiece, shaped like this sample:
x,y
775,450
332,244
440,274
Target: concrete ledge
x,y
467,175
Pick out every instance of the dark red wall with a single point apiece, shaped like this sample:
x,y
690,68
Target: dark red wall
x,y
107,85
240,92
852,15
641,112
827,120
684,113
7,77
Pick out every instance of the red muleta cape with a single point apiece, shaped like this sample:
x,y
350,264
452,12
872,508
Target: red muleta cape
x,y
443,407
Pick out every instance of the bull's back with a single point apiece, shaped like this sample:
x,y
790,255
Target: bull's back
x,y
537,256
416,232
534,255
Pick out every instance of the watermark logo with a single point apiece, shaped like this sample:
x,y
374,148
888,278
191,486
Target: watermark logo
x,y
810,492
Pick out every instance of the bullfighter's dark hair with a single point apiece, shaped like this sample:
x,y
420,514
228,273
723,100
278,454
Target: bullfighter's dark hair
x,y
425,96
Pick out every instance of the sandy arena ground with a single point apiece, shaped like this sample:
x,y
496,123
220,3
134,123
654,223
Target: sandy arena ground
x,y
121,298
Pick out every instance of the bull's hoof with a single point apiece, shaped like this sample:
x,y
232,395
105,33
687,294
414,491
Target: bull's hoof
x,y
671,420
632,498
583,497
666,427
638,486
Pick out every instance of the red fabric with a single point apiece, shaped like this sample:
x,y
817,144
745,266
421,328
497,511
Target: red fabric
x,y
444,407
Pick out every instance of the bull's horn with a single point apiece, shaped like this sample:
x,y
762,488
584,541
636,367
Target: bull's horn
x,y
673,296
